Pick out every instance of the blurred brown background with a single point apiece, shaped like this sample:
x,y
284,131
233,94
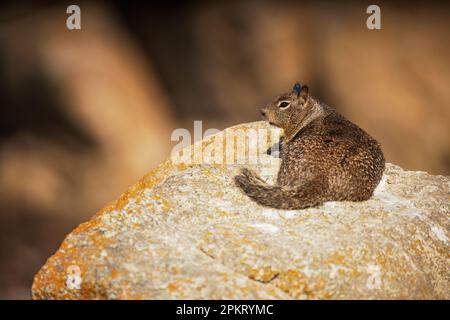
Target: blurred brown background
x,y
85,113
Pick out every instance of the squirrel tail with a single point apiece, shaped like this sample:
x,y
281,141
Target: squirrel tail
x,y
309,194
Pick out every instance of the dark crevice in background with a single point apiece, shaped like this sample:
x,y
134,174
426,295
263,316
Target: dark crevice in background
x,y
34,109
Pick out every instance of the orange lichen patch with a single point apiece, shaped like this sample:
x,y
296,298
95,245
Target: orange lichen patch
x,y
225,214
381,259
343,257
322,295
219,194
181,166
294,283
166,204
318,291
336,258
172,286
417,247
355,273
319,283
114,273
226,233
151,179
264,274
55,271
83,227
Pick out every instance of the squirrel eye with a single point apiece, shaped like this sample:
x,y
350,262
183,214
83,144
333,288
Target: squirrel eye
x,y
284,104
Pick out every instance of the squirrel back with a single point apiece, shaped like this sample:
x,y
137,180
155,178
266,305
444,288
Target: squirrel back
x,y
324,156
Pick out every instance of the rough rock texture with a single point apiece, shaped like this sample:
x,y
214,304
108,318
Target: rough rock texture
x,y
185,231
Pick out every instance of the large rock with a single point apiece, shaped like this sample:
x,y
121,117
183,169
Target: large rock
x,y
186,231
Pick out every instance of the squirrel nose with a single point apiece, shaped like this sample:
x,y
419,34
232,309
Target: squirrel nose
x,y
263,113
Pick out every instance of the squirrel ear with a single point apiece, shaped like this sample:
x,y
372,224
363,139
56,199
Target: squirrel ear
x,y
304,92
297,87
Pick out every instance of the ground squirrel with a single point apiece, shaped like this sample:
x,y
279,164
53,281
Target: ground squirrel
x,y
324,156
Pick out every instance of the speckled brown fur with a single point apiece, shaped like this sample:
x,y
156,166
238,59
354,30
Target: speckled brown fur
x,y
324,157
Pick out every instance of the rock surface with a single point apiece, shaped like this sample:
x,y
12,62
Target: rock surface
x,y
184,231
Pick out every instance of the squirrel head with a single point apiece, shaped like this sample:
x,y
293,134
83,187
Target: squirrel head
x,y
284,109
